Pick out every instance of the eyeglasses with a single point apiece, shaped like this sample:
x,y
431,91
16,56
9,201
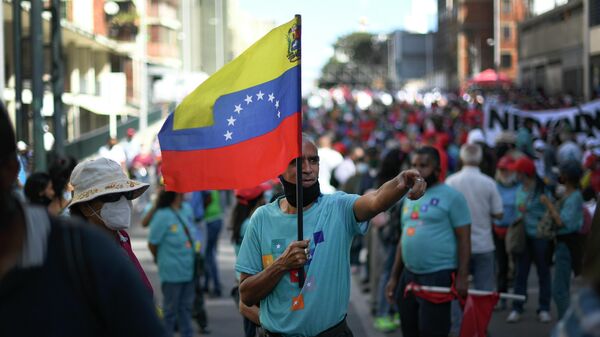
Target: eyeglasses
x,y
114,197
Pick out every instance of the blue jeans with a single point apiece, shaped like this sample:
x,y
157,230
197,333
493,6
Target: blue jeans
x,y
211,272
420,317
561,284
383,307
482,267
178,298
536,251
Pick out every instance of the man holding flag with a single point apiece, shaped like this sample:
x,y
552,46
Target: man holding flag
x,y
270,256
242,127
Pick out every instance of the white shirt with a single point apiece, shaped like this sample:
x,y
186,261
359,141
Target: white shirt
x,y
483,200
345,171
329,159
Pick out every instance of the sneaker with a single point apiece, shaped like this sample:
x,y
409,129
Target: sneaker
x,y
384,324
513,317
397,319
544,317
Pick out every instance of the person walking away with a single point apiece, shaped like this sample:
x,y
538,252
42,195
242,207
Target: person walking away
x,y
569,219
507,185
171,242
102,195
434,250
485,205
270,256
531,209
60,277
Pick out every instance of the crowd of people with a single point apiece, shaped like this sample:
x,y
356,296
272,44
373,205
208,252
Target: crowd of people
x,y
443,206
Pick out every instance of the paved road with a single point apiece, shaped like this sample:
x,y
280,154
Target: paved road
x,y
225,321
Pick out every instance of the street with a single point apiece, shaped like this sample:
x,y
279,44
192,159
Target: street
x,y
225,321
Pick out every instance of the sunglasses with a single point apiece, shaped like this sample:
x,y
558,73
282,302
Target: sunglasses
x,y
114,197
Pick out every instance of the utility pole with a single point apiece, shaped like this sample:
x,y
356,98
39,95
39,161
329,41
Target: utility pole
x,y
57,78
2,61
21,120
143,64
586,51
37,85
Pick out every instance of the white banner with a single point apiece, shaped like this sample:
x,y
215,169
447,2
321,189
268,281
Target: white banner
x,y
497,117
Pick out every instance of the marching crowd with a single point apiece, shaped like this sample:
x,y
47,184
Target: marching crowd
x,y
416,186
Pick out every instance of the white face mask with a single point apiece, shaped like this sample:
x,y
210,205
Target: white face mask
x,y
116,215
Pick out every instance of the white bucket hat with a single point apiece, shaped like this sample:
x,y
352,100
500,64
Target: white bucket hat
x,y
93,178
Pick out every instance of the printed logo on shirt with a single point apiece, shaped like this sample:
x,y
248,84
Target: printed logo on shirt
x,y
174,228
294,278
434,201
310,284
318,237
424,208
278,246
267,260
297,303
309,258
410,231
414,215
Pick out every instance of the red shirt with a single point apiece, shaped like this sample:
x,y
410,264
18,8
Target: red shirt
x,y
125,243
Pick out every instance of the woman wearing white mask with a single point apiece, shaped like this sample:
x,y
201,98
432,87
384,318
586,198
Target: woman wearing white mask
x,y
102,194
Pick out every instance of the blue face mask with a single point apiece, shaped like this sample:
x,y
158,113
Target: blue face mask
x,y
67,196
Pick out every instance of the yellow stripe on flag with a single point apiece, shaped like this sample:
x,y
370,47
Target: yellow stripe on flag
x,y
264,61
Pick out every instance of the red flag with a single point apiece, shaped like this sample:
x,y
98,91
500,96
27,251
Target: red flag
x,y
476,315
433,297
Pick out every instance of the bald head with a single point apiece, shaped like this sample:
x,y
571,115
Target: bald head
x,y
471,154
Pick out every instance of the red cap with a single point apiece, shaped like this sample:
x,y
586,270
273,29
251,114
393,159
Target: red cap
x,y
524,165
505,163
248,194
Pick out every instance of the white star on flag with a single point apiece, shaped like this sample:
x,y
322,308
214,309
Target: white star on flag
x,y
278,114
278,246
238,108
248,99
228,135
295,302
231,121
271,97
276,104
259,96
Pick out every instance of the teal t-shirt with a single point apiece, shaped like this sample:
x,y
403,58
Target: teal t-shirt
x,y
571,213
330,225
428,238
531,209
175,255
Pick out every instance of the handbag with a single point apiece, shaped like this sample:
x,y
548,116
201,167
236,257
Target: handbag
x,y
198,258
515,241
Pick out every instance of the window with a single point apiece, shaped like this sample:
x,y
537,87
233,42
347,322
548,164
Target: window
x,y
506,32
506,6
506,60
594,13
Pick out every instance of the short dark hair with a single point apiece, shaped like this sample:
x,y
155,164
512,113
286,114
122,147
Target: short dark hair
x,y
165,199
430,151
8,144
36,183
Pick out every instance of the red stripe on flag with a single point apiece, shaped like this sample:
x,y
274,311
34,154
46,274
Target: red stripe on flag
x,y
242,165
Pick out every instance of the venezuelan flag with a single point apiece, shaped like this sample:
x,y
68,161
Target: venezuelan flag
x,y
240,127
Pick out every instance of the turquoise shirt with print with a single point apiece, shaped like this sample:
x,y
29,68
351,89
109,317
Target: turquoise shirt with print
x,y
531,209
571,213
330,225
428,238
175,254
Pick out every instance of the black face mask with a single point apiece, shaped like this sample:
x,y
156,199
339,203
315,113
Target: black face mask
x,y
432,179
309,194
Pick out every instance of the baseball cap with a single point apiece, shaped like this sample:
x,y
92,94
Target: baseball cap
x,y
245,195
506,163
524,165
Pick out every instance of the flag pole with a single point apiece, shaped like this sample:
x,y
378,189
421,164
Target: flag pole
x,y
299,196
